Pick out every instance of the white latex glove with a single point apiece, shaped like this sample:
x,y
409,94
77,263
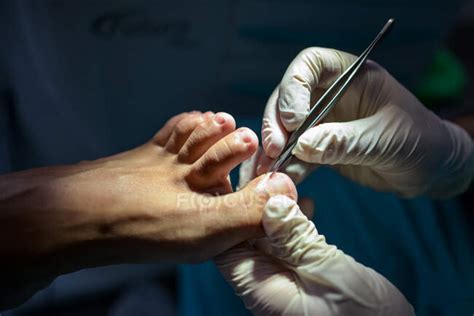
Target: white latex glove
x,y
304,275
380,135
297,170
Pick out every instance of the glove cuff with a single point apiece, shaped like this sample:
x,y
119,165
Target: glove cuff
x,y
458,167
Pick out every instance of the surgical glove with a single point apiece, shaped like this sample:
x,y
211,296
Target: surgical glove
x,y
378,134
258,163
300,274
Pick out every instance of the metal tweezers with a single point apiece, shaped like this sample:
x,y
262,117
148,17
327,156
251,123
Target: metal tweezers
x,y
329,99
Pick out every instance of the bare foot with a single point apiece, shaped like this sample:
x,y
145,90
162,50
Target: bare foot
x,y
166,186
151,203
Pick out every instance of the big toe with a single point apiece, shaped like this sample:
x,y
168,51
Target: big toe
x,y
271,184
246,206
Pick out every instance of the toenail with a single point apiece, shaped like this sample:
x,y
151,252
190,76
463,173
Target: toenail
x,y
274,183
278,183
245,135
220,119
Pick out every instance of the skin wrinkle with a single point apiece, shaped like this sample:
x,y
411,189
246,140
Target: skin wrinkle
x,y
206,167
204,134
183,129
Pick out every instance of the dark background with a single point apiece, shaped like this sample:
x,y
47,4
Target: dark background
x,y
84,79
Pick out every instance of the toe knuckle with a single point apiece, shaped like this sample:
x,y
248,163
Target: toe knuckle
x,y
187,124
181,127
228,148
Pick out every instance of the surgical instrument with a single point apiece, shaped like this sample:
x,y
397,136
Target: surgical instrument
x,y
328,100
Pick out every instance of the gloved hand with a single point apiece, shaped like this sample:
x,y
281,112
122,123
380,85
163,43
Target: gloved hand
x,y
379,134
298,273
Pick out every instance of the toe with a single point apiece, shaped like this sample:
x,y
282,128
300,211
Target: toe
x,y
161,138
182,130
212,169
246,206
209,132
271,184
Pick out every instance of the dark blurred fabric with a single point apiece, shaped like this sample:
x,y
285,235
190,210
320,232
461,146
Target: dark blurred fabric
x,y
105,75
460,41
